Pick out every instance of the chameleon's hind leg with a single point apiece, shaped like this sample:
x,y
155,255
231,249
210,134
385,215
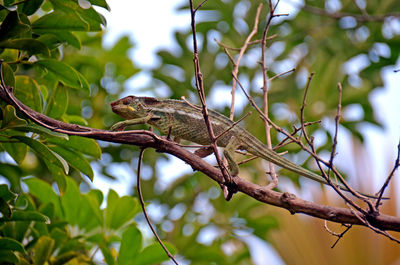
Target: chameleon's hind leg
x,y
204,151
229,153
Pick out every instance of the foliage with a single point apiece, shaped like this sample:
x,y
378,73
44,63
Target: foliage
x,y
54,58
42,45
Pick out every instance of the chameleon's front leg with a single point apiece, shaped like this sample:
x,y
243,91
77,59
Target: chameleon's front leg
x,y
123,124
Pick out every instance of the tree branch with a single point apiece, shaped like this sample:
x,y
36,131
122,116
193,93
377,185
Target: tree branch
x,y
148,139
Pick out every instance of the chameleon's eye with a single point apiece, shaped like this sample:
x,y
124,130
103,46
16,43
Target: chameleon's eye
x,y
127,100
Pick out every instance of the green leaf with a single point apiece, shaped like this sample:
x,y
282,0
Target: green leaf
x,y
12,27
6,194
84,83
65,73
59,235
65,257
61,35
30,7
16,150
44,152
91,215
75,119
89,15
44,192
13,174
131,244
101,3
47,209
120,211
71,201
19,215
8,256
58,102
107,255
81,144
5,208
154,254
73,244
76,160
59,20
8,74
42,250
33,46
11,244
27,90
32,127
10,118
58,174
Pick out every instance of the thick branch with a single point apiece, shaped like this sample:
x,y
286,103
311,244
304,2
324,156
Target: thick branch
x,y
148,139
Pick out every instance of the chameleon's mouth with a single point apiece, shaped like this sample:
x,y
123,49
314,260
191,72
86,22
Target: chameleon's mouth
x,y
123,110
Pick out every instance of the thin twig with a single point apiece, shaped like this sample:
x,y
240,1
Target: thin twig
x,y
200,90
236,64
247,160
311,152
274,177
337,120
249,43
303,107
330,165
388,179
200,5
287,140
139,190
339,236
373,228
231,127
281,74
190,104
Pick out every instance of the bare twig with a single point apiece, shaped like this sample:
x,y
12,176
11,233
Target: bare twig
x,y
228,190
330,165
241,53
388,179
274,177
249,43
311,152
200,5
190,104
303,106
337,120
287,140
367,223
139,190
339,236
281,74
231,127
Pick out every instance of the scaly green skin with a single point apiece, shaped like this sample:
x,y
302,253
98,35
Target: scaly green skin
x,y
187,122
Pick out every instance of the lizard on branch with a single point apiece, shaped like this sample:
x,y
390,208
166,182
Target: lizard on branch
x,y
185,121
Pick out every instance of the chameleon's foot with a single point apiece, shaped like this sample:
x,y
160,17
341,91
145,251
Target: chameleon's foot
x,y
117,129
229,188
119,126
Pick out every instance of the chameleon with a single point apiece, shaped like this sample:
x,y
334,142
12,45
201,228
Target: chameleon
x,y
186,121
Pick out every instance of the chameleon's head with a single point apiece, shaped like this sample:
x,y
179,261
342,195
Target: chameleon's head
x,y
129,107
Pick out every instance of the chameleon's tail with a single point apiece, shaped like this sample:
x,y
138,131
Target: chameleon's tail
x,y
273,157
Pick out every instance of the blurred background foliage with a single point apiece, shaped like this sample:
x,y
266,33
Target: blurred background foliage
x,y
54,57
